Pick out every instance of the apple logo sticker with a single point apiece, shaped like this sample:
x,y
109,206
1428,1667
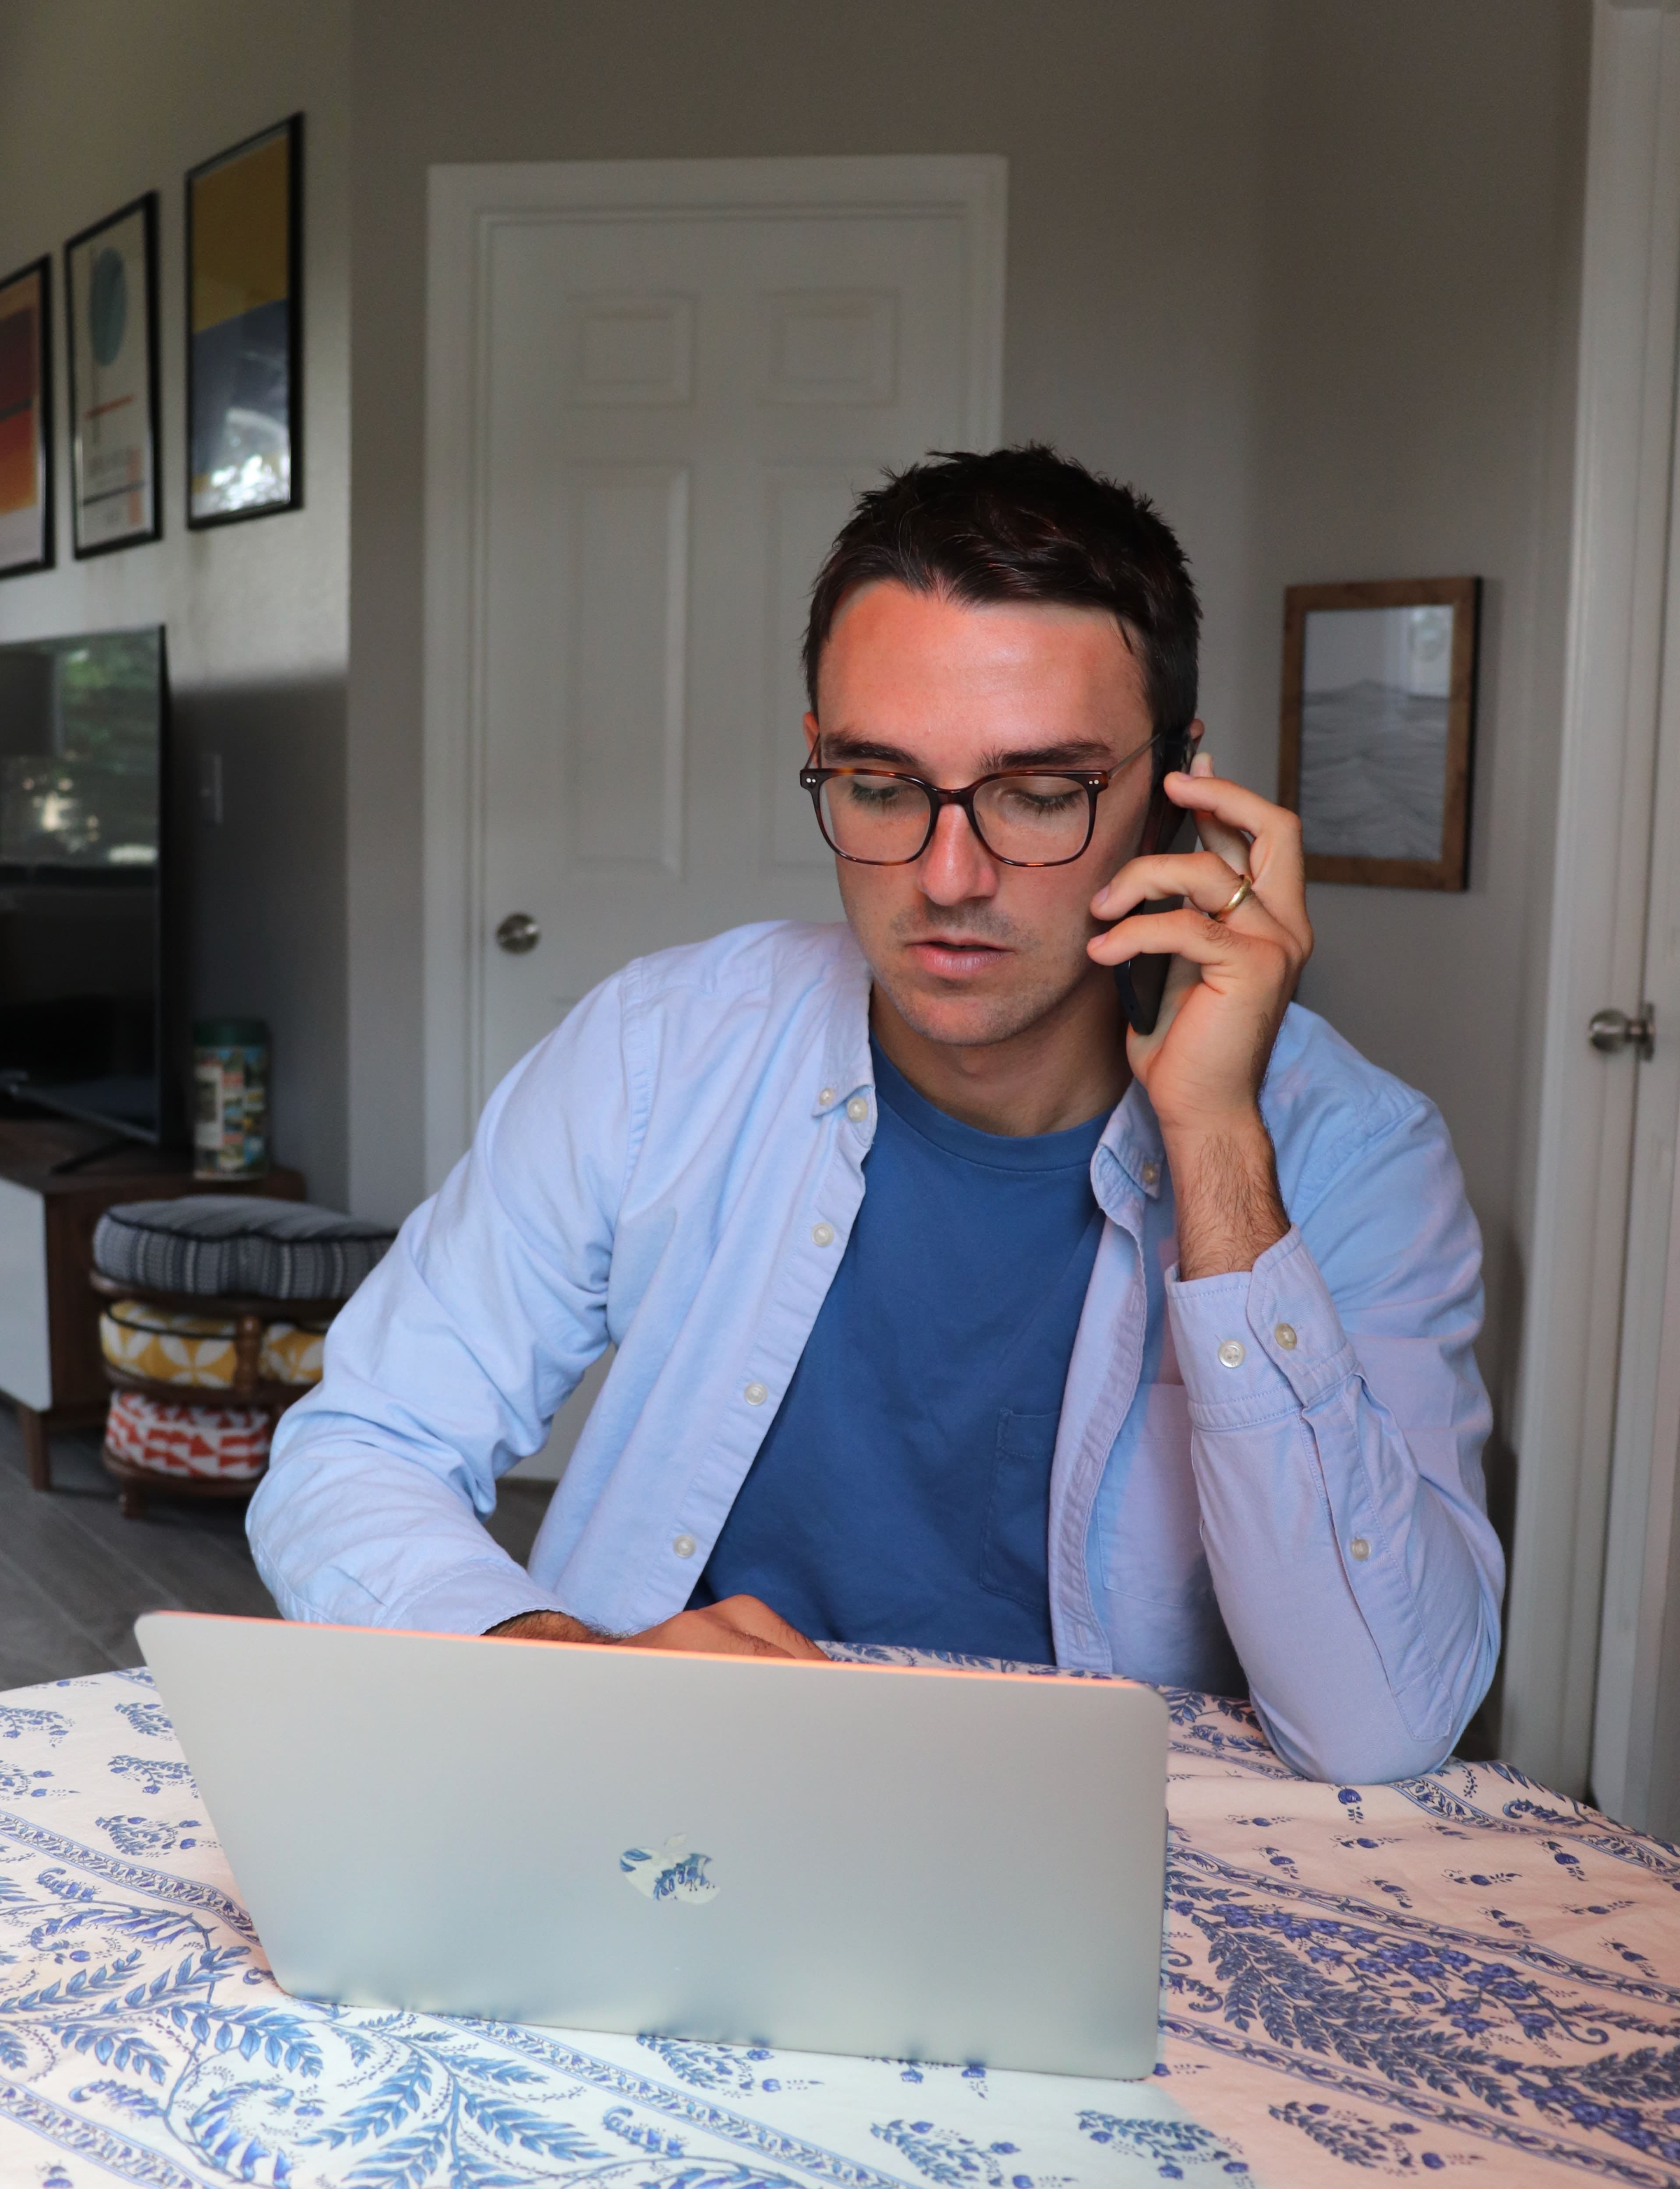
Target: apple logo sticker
x,y
669,1872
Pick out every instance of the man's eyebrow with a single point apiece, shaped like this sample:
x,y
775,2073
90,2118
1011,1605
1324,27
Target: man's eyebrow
x,y
1079,752
843,745
1082,754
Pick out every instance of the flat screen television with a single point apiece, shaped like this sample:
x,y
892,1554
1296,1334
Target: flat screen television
x,y
84,881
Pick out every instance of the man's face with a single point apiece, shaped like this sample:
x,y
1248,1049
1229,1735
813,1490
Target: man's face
x,y
968,950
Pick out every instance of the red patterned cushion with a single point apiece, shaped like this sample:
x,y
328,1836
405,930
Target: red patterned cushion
x,y
228,1444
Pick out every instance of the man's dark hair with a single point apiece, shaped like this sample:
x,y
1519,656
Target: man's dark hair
x,y
1027,524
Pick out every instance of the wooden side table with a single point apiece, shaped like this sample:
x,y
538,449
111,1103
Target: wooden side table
x,y
249,1315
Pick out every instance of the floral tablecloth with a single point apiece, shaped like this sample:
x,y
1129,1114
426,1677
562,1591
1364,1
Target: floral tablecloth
x,y
1462,1970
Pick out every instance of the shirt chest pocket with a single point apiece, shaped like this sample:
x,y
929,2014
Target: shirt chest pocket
x,y
1154,1549
1015,1552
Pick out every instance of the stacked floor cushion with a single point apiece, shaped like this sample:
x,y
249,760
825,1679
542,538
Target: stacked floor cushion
x,y
220,1248
228,1244
197,1351
223,1444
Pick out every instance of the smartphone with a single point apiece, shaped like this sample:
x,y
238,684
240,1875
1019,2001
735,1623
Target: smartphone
x,y
1141,980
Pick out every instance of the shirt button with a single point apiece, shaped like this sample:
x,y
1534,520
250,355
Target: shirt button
x,y
826,1096
1233,1352
684,1546
1150,1172
1285,1335
1359,1548
755,1395
823,1234
858,1109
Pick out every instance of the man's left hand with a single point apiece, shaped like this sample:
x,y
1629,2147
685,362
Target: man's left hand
x,y
1225,998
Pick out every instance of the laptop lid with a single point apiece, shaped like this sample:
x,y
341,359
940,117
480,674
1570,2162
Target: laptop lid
x,y
942,1865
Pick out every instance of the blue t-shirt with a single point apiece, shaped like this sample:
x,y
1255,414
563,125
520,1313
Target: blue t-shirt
x,y
902,1493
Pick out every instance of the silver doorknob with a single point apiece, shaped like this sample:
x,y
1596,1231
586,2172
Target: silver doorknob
x,y
519,933
1612,1032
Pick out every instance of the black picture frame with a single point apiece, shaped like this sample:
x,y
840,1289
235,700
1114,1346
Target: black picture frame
x,y
102,535
236,356
38,403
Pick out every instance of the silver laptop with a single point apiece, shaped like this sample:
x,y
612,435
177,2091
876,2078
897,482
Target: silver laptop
x,y
918,1865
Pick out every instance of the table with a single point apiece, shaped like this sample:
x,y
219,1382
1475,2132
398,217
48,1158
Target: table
x,y
1359,1983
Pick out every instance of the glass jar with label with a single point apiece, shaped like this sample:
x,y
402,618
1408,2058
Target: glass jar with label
x,y
230,1081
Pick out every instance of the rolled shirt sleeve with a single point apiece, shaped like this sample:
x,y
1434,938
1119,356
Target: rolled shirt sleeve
x,y
1337,1422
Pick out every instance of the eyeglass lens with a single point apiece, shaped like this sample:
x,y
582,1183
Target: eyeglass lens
x,y
1031,820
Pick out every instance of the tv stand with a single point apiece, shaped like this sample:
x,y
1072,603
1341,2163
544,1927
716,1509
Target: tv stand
x,y
57,1179
99,1150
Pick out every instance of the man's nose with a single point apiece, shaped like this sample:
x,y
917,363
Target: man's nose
x,y
956,865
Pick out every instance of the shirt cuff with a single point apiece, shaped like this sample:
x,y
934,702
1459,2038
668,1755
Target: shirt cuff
x,y
1258,1343
471,1600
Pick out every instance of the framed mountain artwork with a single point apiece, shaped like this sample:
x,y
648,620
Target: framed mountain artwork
x,y
1378,724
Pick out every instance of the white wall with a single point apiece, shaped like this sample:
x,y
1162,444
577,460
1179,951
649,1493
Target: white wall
x,y
100,100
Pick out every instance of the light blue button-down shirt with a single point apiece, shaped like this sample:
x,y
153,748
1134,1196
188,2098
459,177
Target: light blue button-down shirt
x,y
1285,1462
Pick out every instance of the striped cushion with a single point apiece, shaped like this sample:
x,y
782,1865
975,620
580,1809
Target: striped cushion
x,y
223,1444
222,1244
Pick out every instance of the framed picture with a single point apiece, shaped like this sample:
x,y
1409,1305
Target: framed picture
x,y
26,420
245,329
1379,706
110,285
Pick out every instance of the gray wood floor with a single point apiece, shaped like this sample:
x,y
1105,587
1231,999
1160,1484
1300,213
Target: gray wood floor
x,y
75,1574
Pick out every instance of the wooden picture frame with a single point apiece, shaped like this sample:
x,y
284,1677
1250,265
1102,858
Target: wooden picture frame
x,y
26,420
111,304
245,329
1378,729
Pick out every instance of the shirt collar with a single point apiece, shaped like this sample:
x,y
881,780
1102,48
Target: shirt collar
x,y
1129,1159
844,1069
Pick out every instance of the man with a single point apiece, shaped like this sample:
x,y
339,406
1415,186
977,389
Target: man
x,y
1149,1353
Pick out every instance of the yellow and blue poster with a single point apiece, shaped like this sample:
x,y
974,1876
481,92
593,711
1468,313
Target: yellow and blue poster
x,y
111,273
26,421
243,321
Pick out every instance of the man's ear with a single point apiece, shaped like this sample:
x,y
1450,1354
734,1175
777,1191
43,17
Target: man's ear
x,y
812,732
1193,737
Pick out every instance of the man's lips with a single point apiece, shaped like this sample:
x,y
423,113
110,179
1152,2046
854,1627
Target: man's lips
x,y
955,956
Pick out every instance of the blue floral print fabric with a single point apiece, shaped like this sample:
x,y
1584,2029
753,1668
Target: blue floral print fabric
x,y
1460,1971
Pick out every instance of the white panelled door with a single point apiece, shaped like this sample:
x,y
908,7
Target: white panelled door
x,y
656,388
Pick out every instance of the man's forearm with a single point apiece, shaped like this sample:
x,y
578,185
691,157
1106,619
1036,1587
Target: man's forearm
x,y
1225,1191
738,1627
546,1627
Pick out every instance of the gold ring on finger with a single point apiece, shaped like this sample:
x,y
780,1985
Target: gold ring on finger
x,y
1239,895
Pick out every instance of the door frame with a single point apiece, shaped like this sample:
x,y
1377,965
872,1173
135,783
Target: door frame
x,y
1601,1118
465,206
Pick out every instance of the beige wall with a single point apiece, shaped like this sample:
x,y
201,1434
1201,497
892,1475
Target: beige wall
x,y
100,100
1416,377
1304,270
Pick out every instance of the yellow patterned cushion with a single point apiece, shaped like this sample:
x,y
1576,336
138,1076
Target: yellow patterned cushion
x,y
195,1350
292,1353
